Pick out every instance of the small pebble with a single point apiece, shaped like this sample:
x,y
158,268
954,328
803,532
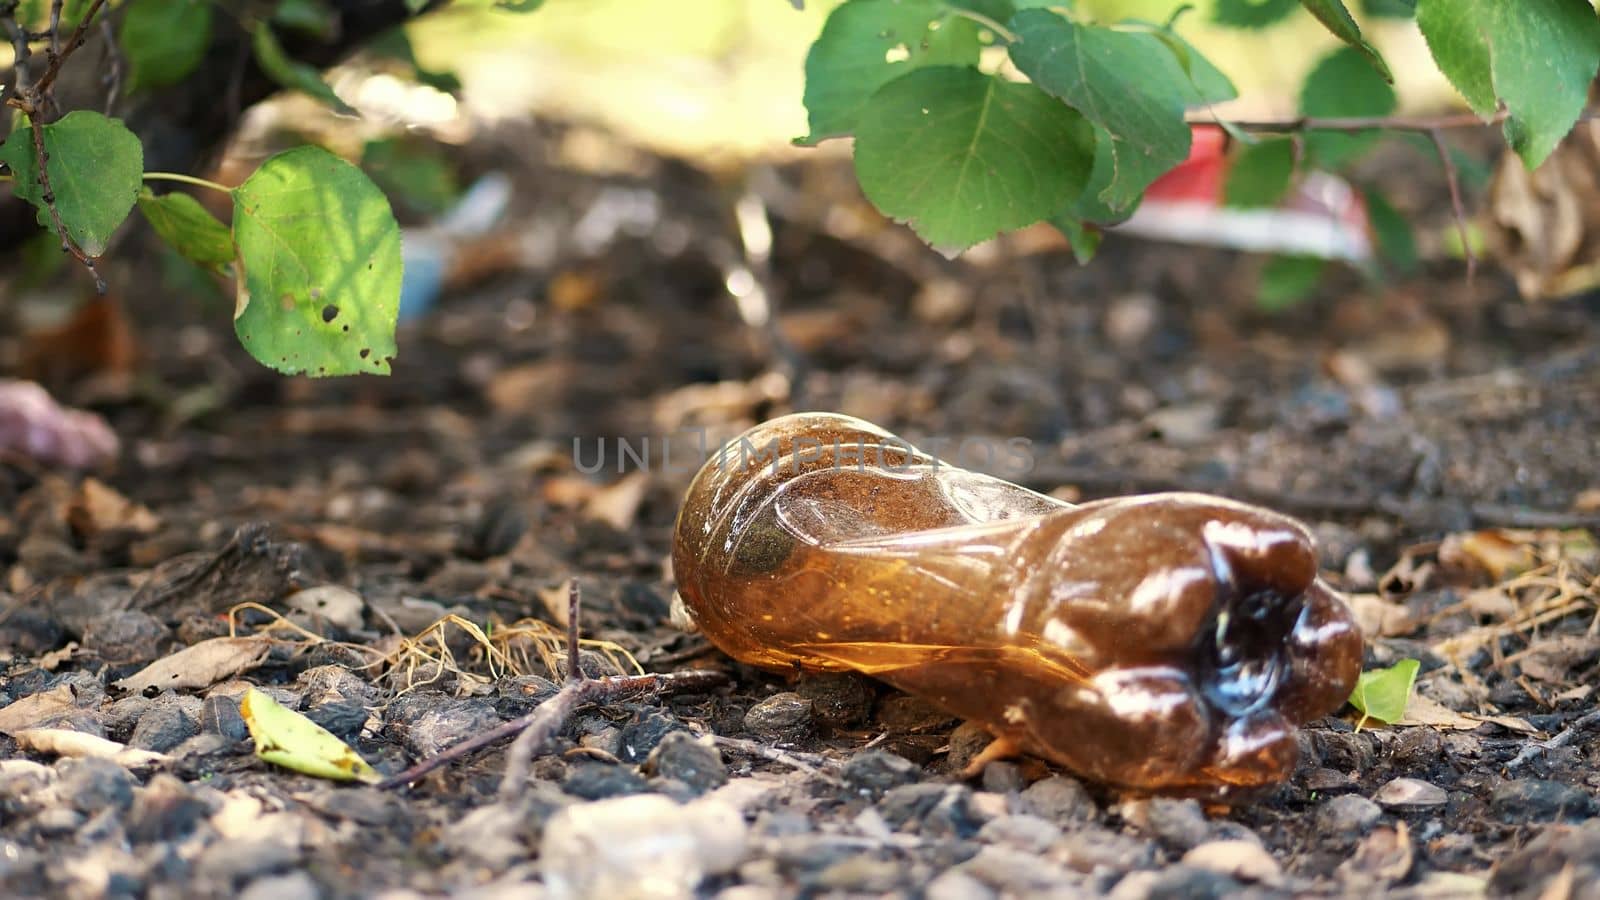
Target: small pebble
x,y
838,700
954,884
1179,824
92,784
343,718
294,886
162,727
595,780
779,714
164,810
691,760
613,847
1538,800
1023,832
1410,793
1348,814
874,772
220,715
431,722
1060,799
125,637
1241,860
640,736
1003,777
1184,882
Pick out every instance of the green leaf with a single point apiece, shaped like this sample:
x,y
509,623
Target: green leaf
x,y
962,156
286,738
1390,9
290,73
1084,239
1206,83
319,266
1343,85
1126,82
186,226
96,169
312,17
1286,280
1089,207
417,176
1259,174
516,6
1393,233
1382,694
1333,16
865,44
1252,13
163,40
1537,56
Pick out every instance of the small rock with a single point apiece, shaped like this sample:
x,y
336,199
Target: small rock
x,y
779,714
232,861
954,884
1003,777
612,847
1409,794
864,873
1092,848
1416,749
1015,873
336,684
125,637
431,722
874,772
838,700
1548,858
1350,815
1184,882
493,836
220,715
1179,824
1241,860
1328,781
162,727
693,761
343,718
931,808
1024,832
294,886
338,606
1060,799
92,784
640,736
595,780
56,821
1538,800
164,810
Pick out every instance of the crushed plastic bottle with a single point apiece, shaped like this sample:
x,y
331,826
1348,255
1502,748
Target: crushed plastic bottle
x,y
1165,643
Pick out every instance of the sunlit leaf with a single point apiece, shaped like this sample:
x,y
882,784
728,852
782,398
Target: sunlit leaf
x,y
286,738
1382,694
96,168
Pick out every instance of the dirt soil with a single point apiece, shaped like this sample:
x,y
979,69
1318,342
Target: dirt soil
x,y
1439,437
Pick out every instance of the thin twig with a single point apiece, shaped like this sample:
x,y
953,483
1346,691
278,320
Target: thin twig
x,y
1567,736
1453,179
1421,124
72,45
574,666
113,76
573,695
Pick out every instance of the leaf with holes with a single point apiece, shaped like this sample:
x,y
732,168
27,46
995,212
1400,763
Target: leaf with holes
x,y
291,73
1336,18
962,156
1127,82
865,44
96,168
186,227
163,40
319,266
1537,56
286,738
1382,694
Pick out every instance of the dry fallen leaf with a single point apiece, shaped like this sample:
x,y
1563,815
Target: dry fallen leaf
x,y
1543,225
201,665
1381,618
618,504
36,708
97,507
65,742
340,606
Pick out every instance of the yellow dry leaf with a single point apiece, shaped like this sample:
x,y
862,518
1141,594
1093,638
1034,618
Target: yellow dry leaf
x,y
286,738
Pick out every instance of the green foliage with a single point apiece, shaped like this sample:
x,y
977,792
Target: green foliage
x,y
1087,67
864,45
1538,57
185,225
1383,694
1287,280
1260,173
962,156
163,40
1336,18
1396,243
315,298
1253,13
1343,85
417,177
95,166
292,73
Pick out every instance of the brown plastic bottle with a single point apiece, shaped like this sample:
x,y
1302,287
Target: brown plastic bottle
x,y
1166,643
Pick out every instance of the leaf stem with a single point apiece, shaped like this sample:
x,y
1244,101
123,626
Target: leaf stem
x,y
186,179
1004,33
